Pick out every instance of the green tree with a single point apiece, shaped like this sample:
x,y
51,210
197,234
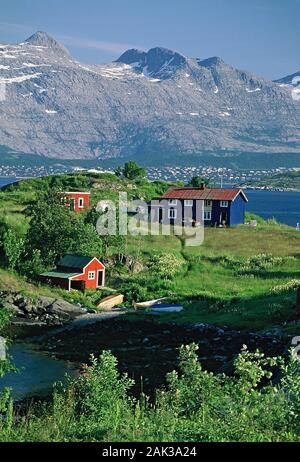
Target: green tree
x,y
198,181
3,230
33,266
118,171
111,244
54,230
132,171
13,246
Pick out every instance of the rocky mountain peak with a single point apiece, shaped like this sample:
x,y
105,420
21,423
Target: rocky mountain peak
x,y
157,62
43,39
214,61
293,79
132,56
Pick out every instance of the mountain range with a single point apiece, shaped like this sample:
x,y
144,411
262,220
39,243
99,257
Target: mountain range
x,y
157,102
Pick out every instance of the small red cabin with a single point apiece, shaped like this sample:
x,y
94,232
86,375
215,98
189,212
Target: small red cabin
x,y
76,272
77,201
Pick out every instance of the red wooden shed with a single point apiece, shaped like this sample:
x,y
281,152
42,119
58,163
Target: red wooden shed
x,y
76,272
77,201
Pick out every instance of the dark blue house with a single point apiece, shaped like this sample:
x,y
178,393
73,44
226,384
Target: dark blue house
x,y
213,206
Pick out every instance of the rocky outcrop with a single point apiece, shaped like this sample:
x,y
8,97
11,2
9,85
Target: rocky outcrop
x,y
38,311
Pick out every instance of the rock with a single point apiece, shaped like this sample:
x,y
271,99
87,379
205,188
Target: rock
x,y
19,300
137,267
27,322
17,312
8,306
61,306
27,307
44,302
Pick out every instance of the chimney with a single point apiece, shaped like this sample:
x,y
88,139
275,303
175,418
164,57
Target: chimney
x,y
202,186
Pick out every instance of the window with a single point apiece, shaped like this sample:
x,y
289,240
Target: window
x,y
188,203
207,215
172,201
80,202
207,203
91,275
224,203
172,214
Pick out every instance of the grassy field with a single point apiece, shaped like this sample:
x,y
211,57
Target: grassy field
x,y
231,278
239,276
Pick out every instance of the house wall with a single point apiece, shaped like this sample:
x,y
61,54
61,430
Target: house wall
x,y
76,196
183,212
63,283
216,212
237,211
90,283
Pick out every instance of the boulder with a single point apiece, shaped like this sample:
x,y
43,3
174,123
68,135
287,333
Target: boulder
x,y
61,306
44,302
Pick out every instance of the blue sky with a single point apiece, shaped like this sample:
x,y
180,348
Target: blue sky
x,y
258,35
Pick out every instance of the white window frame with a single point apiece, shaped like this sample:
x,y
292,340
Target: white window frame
x,y
80,202
224,204
207,203
91,275
172,201
174,212
207,215
188,202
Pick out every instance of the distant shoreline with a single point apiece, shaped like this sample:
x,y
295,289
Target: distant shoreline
x,y
269,188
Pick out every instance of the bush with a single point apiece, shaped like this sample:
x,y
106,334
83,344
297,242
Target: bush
x,y
287,287
258,264
13,246
195,405
165,265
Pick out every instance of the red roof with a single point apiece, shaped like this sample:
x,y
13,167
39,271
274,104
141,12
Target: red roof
x,y
204,194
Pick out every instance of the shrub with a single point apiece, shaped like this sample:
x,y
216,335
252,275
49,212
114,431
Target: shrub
x,y
287,287
102,392
259,263
13,246
195,405
165,265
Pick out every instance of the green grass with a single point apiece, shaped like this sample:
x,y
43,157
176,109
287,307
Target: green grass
x,y
214,288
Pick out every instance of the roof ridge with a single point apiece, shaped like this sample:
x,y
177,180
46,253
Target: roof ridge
x,y
201,189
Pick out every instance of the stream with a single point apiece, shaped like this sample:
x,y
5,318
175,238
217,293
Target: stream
x,y
147,351
37,371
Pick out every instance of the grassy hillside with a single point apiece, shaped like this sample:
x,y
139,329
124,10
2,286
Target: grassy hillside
x,y
242,276
238,277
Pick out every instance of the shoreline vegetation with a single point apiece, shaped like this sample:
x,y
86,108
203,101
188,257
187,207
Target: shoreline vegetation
x,y
241,277
289,182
